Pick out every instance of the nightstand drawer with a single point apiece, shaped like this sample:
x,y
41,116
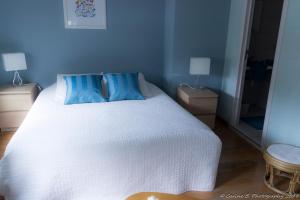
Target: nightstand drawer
x,y
16,102
201,106
12,119
209,120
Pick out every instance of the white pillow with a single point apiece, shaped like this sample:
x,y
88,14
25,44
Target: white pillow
x,y
61,87
144,86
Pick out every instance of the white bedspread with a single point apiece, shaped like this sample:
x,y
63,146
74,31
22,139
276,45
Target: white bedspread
x,y
108,151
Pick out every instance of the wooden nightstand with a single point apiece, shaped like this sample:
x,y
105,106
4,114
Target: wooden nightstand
x,y
15,102
200,102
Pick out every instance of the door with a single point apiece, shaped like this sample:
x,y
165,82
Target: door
x,y
261,36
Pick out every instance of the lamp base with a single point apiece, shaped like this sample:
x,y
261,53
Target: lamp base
x,y
192,87
17,81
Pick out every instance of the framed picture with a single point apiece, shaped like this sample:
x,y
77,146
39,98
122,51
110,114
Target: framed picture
x,y
85,14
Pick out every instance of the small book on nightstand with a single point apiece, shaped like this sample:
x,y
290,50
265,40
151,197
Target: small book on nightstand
x,y
200,102
15,102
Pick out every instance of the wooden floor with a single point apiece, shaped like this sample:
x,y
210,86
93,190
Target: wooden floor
x,y
241,168
4,139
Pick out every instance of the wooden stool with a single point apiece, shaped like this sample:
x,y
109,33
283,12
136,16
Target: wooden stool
x,y
160,196
283,160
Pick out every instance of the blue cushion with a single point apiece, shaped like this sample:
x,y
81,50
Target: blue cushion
x,y
83,89
123,86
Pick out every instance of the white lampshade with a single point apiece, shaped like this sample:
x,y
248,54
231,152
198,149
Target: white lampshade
x,y
200,66
14,61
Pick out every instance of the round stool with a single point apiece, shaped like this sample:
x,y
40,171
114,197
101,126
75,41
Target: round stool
x,y
282,160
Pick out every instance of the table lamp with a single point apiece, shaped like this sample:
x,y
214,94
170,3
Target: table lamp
x,y
15,62
199,66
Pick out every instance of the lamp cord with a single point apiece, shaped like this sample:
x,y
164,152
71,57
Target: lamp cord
x,y
186,85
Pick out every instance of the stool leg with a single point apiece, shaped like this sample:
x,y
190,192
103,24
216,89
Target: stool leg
x,y
267,170
271,176
292,185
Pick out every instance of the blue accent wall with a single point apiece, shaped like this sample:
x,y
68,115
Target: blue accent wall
x,y
170,14
194,28
284,121
133,40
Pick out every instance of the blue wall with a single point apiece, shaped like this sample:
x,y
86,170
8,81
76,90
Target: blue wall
x,y
170,13
284,121
236,24
194,28
132,42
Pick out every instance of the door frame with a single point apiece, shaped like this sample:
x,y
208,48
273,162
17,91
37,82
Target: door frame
x,y
242,66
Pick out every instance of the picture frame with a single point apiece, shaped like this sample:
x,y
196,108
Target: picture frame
x,y
85,14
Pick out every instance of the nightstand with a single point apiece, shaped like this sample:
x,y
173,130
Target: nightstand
x,y
200,102
15,102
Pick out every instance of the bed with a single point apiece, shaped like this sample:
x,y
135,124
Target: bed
x,y
108,151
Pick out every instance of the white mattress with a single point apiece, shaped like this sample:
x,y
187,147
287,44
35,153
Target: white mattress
x,y
108,151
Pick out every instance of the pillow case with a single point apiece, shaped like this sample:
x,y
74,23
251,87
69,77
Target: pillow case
x,y
123,86
143,85
61,86
83,89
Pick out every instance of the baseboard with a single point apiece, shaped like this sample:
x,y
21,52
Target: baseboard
x,y
239,133
246,138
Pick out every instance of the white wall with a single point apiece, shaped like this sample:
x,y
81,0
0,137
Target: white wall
x,y
284,121
234,42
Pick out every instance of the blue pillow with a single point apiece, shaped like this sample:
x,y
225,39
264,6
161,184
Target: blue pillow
x,y
123,86
83,89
